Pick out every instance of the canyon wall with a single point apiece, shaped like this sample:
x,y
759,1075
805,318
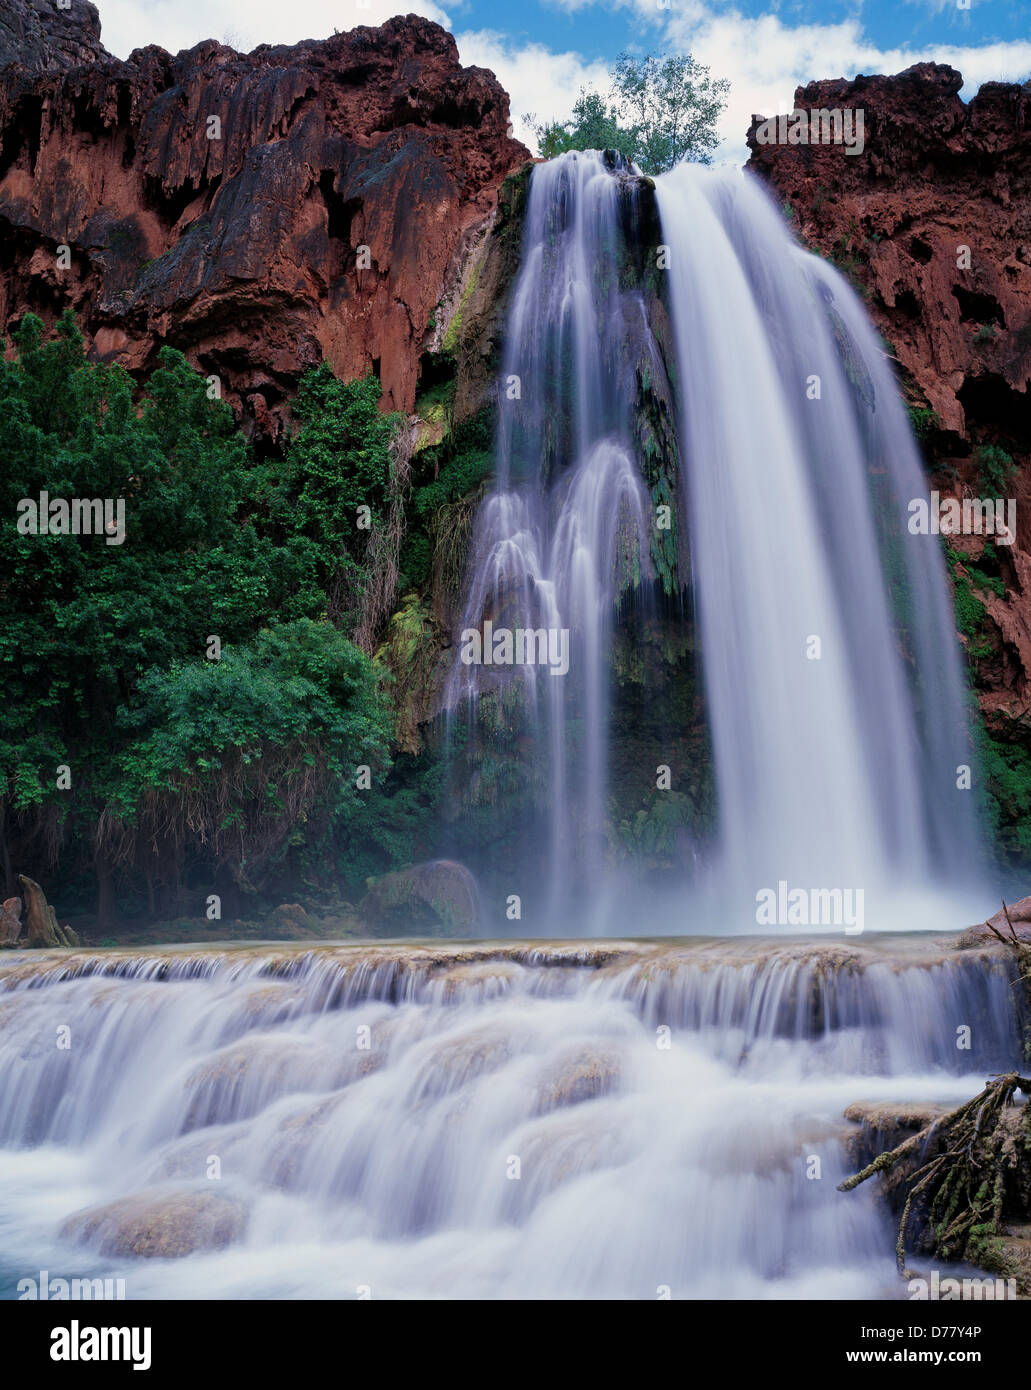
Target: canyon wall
x,y
260,212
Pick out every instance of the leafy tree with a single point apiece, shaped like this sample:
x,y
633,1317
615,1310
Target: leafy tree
x,y
659,111
250,755
175,761
338,463
672,105
593,126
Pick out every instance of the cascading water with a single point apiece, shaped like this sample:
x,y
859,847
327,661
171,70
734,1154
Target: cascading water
x,y
834,688
562,538
835,697
473,1120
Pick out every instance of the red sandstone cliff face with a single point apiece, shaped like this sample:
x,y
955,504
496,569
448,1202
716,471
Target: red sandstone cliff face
x,y
937,176
243,250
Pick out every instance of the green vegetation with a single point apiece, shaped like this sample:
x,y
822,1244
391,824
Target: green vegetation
x,y
658,112
1004,748
996,470
923,420
159,764
970,611
448,478
156,766
1005,757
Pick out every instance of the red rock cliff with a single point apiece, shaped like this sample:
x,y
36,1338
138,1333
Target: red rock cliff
x,y
220,201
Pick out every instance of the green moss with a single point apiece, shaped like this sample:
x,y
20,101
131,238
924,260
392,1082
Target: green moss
x,y
1005,760
454,329
970,611
450,477
996,470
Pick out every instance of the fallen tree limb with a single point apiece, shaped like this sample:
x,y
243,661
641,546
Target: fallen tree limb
x,y
962,1188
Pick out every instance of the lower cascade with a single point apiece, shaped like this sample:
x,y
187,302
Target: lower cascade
x,y
562,1120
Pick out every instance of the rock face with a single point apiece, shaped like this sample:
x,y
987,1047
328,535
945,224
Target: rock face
x,y
937,176
259,212
36,34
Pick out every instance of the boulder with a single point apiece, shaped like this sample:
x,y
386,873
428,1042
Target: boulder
x,y
435,898
159,1224
982,934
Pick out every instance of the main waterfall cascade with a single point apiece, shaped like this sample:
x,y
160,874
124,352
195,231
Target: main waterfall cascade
x,y
473,1120
834,691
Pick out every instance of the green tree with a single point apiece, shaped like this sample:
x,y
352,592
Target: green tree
x,y
672,105
174,760
338,464
659,111
252,755
593,126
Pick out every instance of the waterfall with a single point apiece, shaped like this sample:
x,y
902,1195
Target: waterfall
x,y
473,1121
834,691
561,541
837,763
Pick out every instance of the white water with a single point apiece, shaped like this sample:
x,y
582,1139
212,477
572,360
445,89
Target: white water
x,y
838,772
388,1167
565,527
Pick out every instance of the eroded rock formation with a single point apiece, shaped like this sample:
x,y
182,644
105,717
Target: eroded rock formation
x,y
218,201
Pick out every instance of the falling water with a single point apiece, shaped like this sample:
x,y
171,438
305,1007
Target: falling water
x,y
834,687
480,1121
562,539
835,696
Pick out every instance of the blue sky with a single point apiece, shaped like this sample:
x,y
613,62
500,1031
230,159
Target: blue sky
x,y
545,50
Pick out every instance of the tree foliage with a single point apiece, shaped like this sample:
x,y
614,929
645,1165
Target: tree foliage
x,y
178,764
659,111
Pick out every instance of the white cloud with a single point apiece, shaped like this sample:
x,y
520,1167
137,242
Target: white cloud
x,y
536,79
766,60
176,24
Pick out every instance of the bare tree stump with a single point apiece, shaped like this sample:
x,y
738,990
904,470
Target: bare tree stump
x,y
41,922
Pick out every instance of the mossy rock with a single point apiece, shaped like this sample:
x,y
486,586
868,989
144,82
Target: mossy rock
x,y
439,897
